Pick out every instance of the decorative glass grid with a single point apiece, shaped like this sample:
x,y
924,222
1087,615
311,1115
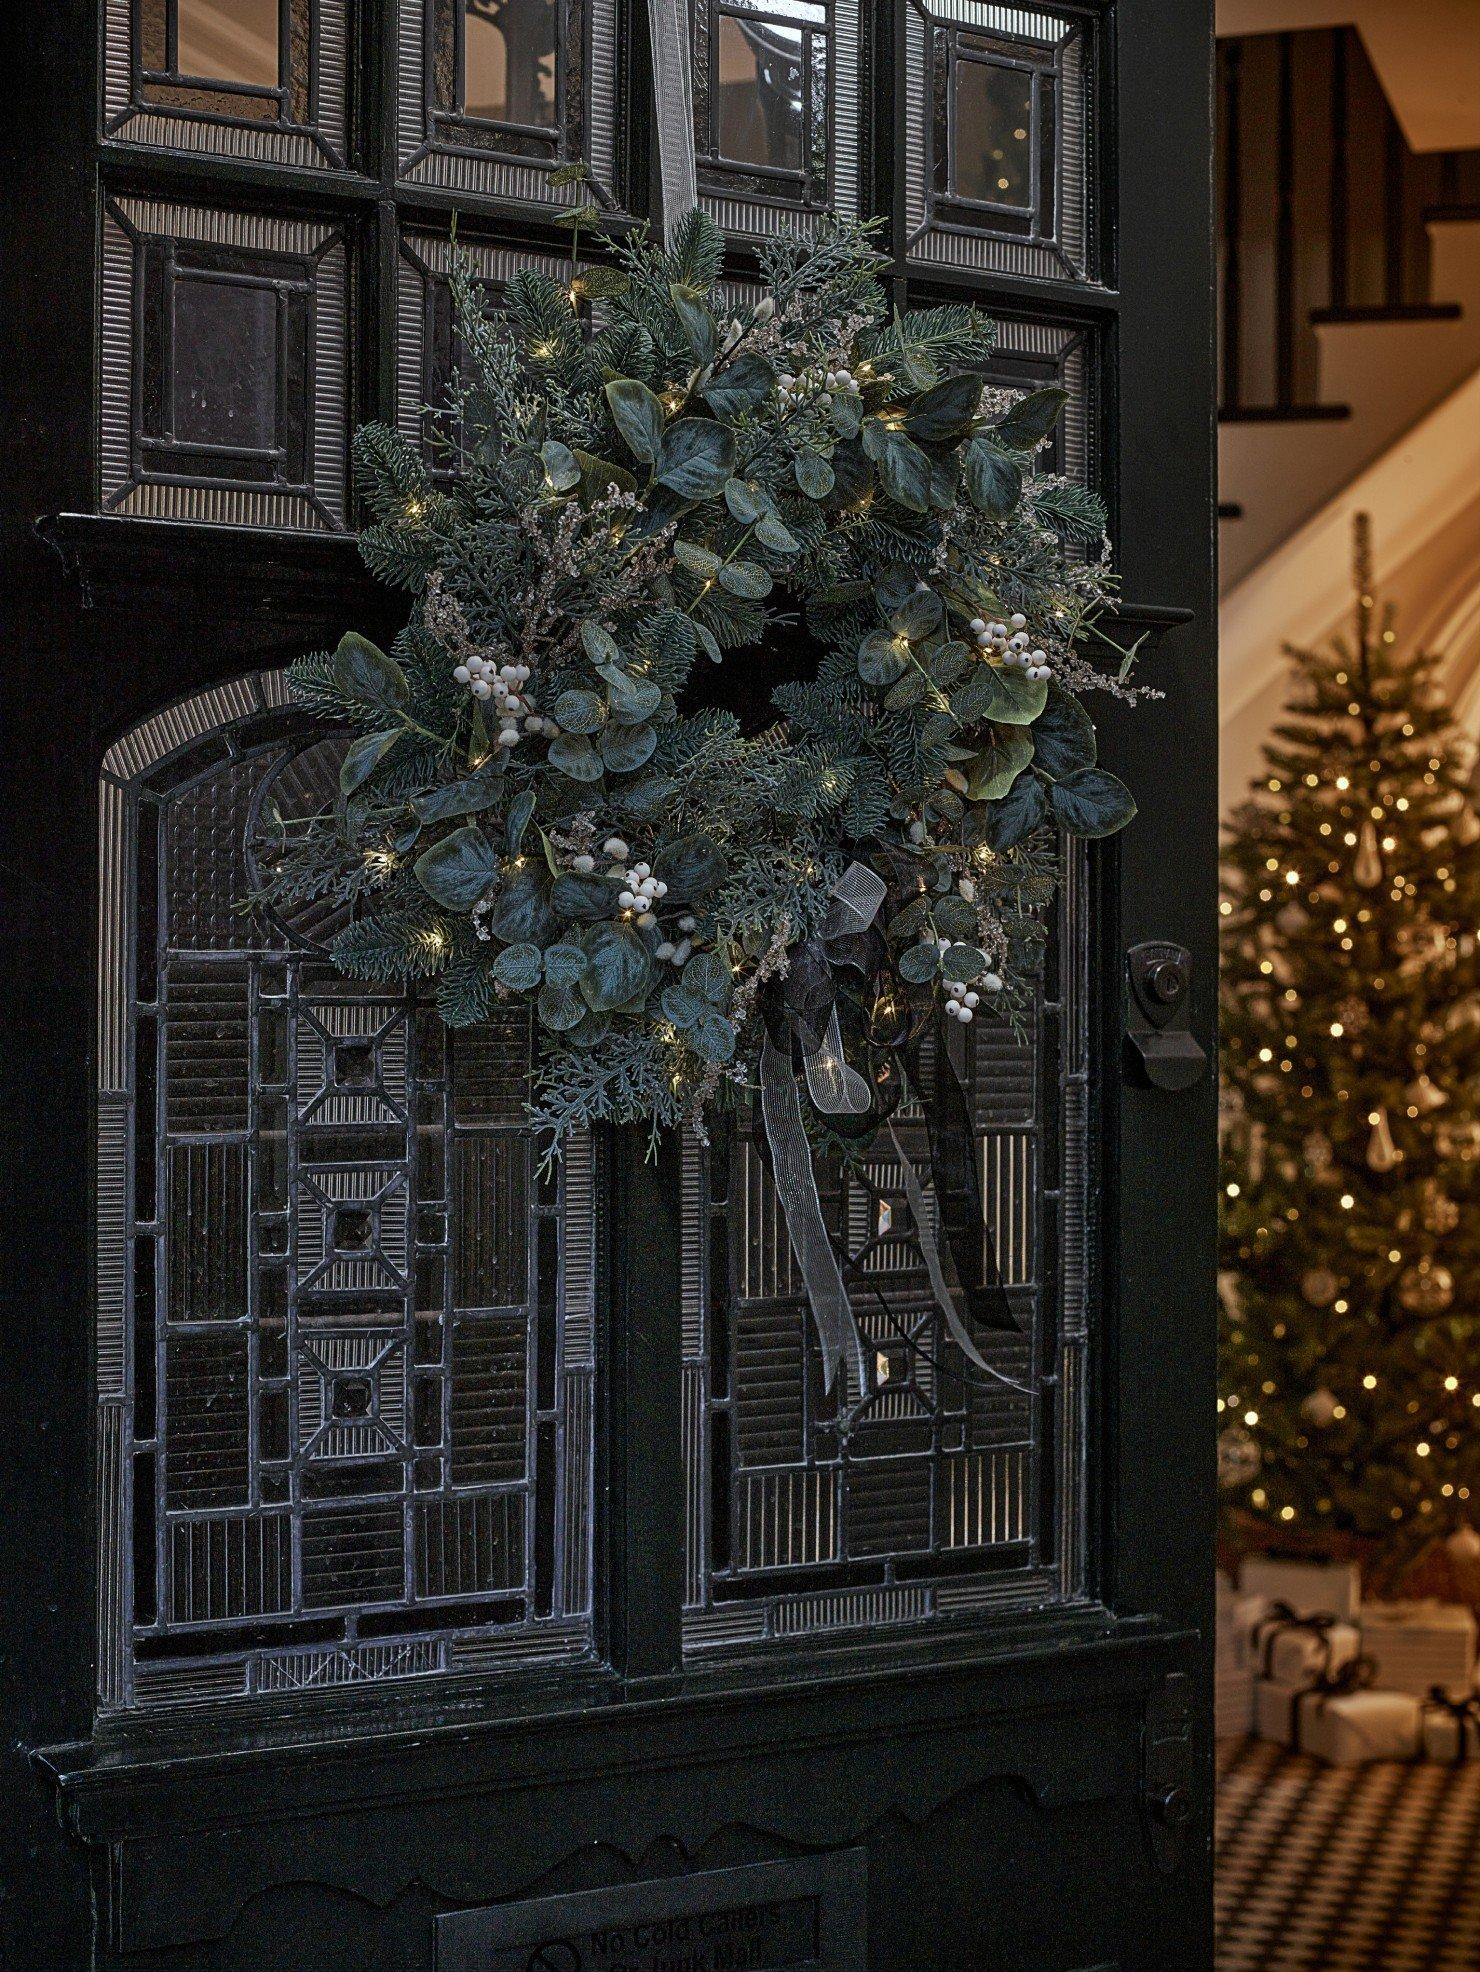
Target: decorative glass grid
x,y
224,373
494,95
947,1492
428,347
1029,355
777,109
998,138
345,1333
262,80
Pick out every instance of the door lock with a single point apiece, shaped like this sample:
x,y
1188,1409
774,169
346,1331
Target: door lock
x,y
1158,1035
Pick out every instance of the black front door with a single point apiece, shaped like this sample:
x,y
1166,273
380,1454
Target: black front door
x,y
414,1560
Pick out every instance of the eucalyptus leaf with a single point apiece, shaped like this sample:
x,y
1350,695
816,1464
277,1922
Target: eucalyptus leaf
x,y
562,467
994,483
691,866
708,643
881,660
1018,813
573,755
582,899
649,796
632,699
517,820
458,870
696,558
363,756
712,1036
638,416
904,471
619,969
521,910
739,386
813,475
564,963
590,1030
847,415
917,963
363,671
695,459
773,533
945,410
519,966
699,324
997,765
626,748
580,712
954,917
707,975
743,503
1007,696
961,963
470,796
1032,418
1063,735
600,477
679,1007
559,1007
599,644
745,578
1092,802
917,615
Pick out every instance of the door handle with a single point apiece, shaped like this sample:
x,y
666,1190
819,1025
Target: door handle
x,y
1159,1040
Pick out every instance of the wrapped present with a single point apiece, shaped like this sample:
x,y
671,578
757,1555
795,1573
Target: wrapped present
x,y
1417,1645
1310,1587
1451,1727
1233,1702
1340,1718
1276,1642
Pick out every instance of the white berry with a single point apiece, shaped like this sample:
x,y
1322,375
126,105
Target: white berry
x,y
1019,621
583,865
614,846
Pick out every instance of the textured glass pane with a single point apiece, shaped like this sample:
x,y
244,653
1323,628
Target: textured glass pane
x,y
225,363
229,40
357,1443
509,61
759,93
994,133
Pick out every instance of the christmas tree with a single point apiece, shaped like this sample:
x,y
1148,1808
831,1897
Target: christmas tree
x,y
1349,1394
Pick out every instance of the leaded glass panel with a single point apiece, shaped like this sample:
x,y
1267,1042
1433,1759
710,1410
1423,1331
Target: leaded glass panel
x,y
998,136
345,1327
947,1491
263,80
225,368
495,95
777,106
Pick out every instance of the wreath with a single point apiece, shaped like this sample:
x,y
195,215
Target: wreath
x,y
638,474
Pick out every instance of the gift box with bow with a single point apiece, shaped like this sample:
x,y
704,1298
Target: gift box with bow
x,y
1451,1727
1278,1642
1417,1645
1308,1586
1339,1717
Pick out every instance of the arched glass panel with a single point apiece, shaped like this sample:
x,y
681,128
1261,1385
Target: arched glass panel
x,y
345,1335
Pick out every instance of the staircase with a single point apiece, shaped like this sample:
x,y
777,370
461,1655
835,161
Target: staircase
x,y
1350,281
1349,370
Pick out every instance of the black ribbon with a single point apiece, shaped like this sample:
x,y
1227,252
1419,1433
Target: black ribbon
x,y
1359,1674
1280,1620
1464,1711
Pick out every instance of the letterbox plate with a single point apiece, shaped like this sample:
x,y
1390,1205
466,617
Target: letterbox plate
x,y
803,1915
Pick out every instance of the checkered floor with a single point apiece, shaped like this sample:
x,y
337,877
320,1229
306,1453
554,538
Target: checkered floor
x,y
1345,1869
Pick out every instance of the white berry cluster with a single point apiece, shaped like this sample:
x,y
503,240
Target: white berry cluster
x,y
962,1000
643,892
1010,641
816,380
504,685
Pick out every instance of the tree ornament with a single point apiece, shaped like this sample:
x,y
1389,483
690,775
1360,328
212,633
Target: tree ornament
x,y
1239,1458
1427,1288
1320,1158
1355,1016
1320,1407
1382,1153
1464,1543
1319,1286
1464,829
1367,868
1423,1095
1440,1212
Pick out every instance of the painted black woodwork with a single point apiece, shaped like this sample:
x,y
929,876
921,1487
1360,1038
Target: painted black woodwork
x,y
994,1776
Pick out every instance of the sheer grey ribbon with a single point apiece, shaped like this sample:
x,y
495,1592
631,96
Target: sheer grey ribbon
x,y
668,22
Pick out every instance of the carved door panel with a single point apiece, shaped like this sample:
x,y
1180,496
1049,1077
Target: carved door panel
x,y
419,1559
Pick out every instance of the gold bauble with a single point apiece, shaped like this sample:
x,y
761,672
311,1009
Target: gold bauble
x,y
1320,1407
1440,1212
1426,1289
1423,1095
1319,1286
